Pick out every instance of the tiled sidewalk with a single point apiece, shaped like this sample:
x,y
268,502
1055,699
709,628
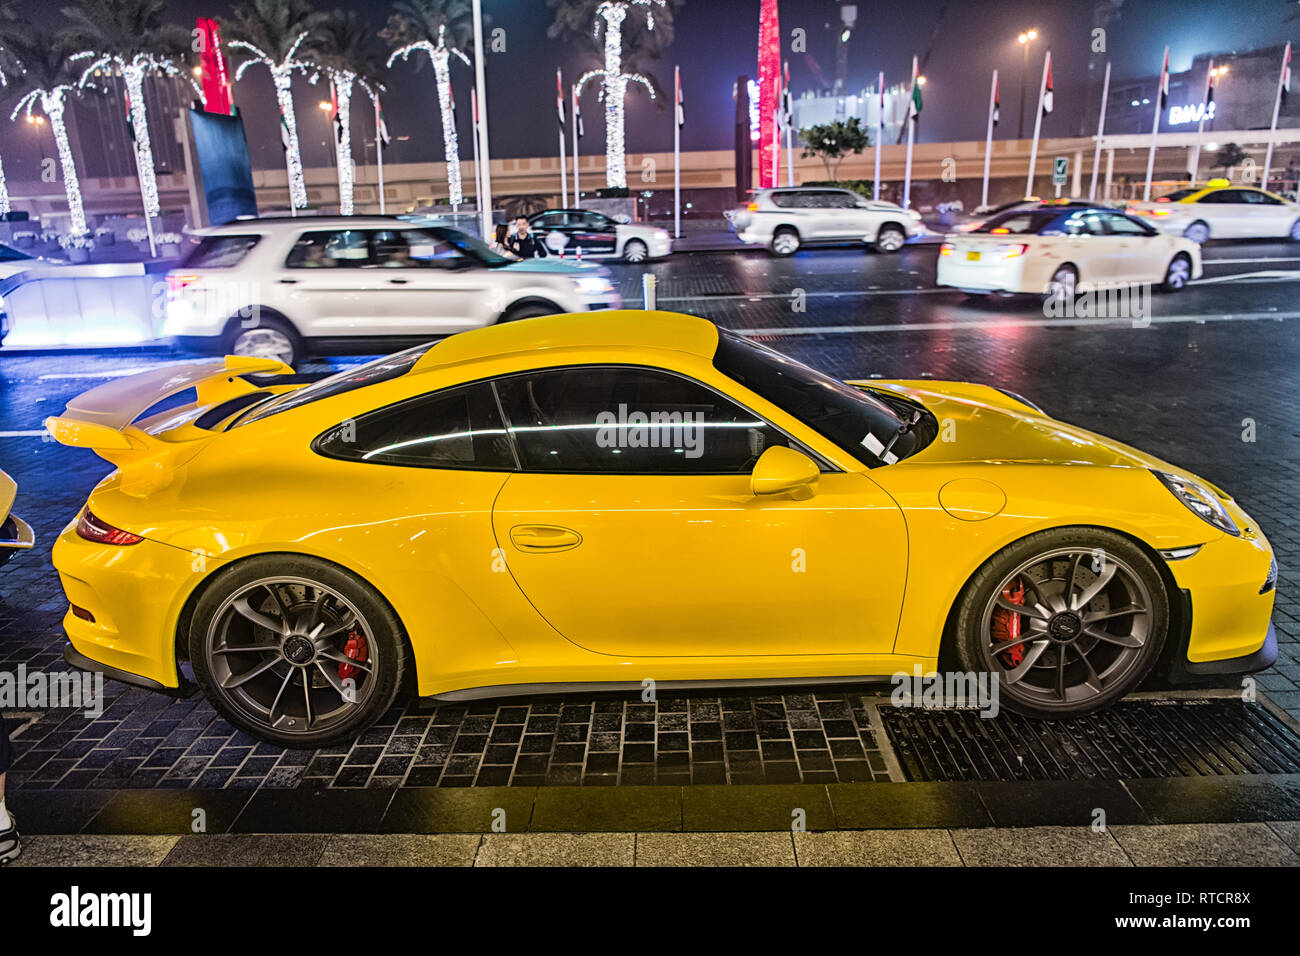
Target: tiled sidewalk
x,y
1222,844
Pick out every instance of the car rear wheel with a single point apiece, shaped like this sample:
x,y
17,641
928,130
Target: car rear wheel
x,y
1063,286
1198,232
785,241
1178,274
1294,234
296,650
528,310
1068,621
890,239
634,250
269,338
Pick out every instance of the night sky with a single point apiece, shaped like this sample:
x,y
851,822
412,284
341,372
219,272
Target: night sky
x,y
716,41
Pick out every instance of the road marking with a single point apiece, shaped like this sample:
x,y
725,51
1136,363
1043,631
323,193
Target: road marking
x,y
808,295
1268,275
25,433
1020,323
1263,259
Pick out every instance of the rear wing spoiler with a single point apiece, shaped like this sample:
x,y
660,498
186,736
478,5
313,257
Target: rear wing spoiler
x,y
103,418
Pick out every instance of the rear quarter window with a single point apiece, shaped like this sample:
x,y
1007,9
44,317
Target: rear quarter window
x,y
220,252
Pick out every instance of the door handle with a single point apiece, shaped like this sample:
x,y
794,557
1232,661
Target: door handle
x,y
288,282
399,281
544,538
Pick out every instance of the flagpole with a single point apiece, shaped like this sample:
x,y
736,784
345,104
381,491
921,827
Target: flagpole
x,y
478,170
911,136
480,82
1101,129
1277,107
1038,125
1155,127
577,194
988,139
880,137
379,159
776,135
788,102
677,152
564,179
1200,124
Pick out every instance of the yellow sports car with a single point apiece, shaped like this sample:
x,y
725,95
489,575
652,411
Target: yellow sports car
x,y
598,501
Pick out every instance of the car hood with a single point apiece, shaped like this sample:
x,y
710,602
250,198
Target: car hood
x,y
555,267
984,424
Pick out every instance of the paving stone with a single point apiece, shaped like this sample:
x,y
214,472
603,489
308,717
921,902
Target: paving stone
x,y
1038,846
394,849
246,849
557,849
714,849
79,851
876,848
1206,844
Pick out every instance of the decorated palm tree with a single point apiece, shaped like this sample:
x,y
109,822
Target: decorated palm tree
x,y
346,55
46,79
274,34
624,32
440,29
129,37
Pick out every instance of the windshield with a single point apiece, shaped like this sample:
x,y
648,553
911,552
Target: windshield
x,y
470,245
856,421
380,370
1020,222
9,254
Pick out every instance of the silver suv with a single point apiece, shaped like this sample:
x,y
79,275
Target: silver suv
x,y
285,288
785,220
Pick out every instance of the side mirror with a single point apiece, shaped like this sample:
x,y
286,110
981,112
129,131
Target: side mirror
x,y
784,471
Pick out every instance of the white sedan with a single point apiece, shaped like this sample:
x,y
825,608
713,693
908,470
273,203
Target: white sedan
x,y
1222,211
599,236
1059,250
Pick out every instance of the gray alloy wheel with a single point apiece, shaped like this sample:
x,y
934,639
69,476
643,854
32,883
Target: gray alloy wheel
x,y
265,341
785,242
634,250
1198,232
1294,234
1063,285
890,239
1178,274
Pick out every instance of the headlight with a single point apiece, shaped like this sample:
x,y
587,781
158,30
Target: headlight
x,y
593,285
1198,499
914,214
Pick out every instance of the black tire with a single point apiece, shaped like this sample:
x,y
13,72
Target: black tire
x,y
1198,232
634,250
785,241
1130,569
216,626
528,310
890,239
269,327
1177,274
1294,233
1063,285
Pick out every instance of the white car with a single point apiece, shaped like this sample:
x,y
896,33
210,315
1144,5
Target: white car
x,y
785,220
284,288
1222,211
599,236
1059,250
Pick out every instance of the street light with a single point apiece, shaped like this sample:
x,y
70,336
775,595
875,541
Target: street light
x,y
1025,39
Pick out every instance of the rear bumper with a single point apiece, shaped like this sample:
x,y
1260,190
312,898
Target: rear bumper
x,y
15,535
83,663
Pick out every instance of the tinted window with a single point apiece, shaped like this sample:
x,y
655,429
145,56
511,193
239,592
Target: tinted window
x,y
629,420
1122,225
9,254
456,428
790,200
1022,223
413,248
594,220
1223,196
551,220
343,248
219,252
1085,224
853,419
380,370
1259,198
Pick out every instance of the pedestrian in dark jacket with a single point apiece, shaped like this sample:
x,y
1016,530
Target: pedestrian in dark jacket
x,y
523,243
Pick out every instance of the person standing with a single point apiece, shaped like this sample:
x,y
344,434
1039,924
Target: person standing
x,y
10,846
523,243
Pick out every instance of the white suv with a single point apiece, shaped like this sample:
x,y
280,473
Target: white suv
x,y
786,219
284,288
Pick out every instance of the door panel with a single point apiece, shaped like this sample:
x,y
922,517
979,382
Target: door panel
x,y
689,566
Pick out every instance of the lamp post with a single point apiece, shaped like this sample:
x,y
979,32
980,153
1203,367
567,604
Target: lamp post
x,y
1025,39
326,107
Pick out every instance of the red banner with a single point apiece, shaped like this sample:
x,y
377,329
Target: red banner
x,y
212,65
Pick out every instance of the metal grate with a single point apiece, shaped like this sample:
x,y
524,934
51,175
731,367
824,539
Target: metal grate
x,y
1136,738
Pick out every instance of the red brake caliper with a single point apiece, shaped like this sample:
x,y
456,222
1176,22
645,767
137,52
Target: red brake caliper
x,y
1006,624
355,649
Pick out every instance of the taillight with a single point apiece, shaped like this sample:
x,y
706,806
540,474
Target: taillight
x,y
751,207
177,283
945,249
101,532
1015,250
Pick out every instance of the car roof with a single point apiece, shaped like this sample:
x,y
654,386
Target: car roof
x,y
620,329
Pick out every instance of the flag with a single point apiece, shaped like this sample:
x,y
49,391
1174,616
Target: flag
x,y
284,133
577,114
334,112
1164,81
381,128
1047,87
473,108
130,126
997,101
1209,84
914,111
681,102
559,97
787,102
1286,73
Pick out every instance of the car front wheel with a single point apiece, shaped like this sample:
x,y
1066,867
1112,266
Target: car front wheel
x,y
634,250
1178,274
296,651
1068,621
1294,234
785,242
890,239
269,338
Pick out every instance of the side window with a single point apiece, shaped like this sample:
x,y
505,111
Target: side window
x,y
1122,225
785,200
458,427
1222,196
629,420
412,248
594,220
334,249
1259,198
843,201
552,220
